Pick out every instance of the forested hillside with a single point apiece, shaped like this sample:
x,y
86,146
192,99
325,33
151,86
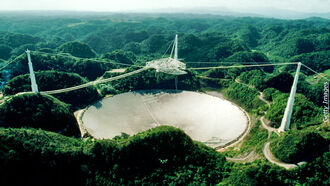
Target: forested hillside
x,y
39,134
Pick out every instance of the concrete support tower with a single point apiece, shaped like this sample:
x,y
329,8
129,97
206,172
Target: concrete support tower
x,y
176,58
176,47
285,124
34,85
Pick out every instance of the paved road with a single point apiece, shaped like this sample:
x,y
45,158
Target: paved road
x,y
261,97
270,157
247,158
267,127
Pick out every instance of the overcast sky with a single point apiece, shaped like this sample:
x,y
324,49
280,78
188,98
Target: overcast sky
x,y
319,6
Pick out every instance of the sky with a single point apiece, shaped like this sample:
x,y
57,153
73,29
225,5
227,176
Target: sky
x,y
307,6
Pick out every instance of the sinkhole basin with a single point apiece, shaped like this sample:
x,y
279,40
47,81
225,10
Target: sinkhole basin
x,y
211,120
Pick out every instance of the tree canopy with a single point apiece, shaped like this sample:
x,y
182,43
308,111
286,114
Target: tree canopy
x,y
38,111
77,49
304,111
74,48
53,80
297,145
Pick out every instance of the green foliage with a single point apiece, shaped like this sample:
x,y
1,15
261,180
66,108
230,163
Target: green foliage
x,y
316,172
231,73
133,47
46,50
245,96
208,47
270,93
245,56
318,61
52,80
302,40
304,45
154,43
150,79
121,56
276,110
21,49
239,58
5,52
256,138
295,145
106,89
90,69
38,111
14,40
304,111
37,157
257,173
163,153
254,77
77,49
314,93
250,35
281,82
253,142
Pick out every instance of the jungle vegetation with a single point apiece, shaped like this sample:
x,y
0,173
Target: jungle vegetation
x,y
39,134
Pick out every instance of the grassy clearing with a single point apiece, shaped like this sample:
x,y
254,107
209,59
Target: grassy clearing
x,y
313,79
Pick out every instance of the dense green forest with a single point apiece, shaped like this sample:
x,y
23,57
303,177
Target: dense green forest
x,y
163,155
52,80
38,111
39,135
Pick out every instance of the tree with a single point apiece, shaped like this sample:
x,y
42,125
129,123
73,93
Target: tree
x,y
77,49
5,52
244,95
282,82
136,36
257,173
254,77
15,40
154,43
133,47
121,56
304,111
39,111
245,56
304,46
38,157
318,61
295,145
270,93
315,172
52,80
250,35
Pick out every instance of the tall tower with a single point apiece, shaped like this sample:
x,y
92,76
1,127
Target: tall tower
x,y
34,85
176,58
285,124
176,47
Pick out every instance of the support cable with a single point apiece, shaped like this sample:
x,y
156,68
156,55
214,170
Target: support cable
x,y
251,62
102,61
93,82
12,61
242,66
168,48
315,71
